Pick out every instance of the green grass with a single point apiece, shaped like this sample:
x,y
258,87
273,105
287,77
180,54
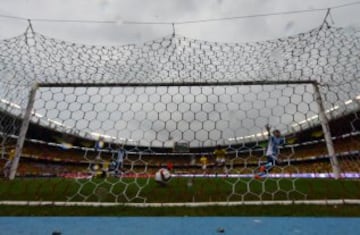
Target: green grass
x,y
202,189
178,190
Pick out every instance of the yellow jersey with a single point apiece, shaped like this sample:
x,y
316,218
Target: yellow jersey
x,y
106,165
11,154
220,153
203,160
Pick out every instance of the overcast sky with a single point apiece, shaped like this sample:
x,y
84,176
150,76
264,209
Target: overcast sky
x,y
253,29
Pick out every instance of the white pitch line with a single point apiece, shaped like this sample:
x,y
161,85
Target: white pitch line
x,y
183,204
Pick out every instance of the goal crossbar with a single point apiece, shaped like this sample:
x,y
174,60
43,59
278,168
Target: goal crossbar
x,y
168,84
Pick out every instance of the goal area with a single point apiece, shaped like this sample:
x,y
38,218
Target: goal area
x,y
92,125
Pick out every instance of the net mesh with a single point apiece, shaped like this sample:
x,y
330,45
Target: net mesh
x,y
323,54
110,116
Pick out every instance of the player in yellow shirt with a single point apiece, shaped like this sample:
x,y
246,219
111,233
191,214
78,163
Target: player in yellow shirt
x,y
220,155
105,169
203,162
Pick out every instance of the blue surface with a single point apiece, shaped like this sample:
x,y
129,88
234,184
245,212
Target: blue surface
x,y
178,225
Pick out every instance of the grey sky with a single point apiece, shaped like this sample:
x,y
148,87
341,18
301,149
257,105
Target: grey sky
x,y
155,116
253,29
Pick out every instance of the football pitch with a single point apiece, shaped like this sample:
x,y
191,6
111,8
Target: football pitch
x,y
179,190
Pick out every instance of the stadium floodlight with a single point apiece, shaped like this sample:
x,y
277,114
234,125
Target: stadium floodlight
x,y
38,115
348,102
102,135
10,104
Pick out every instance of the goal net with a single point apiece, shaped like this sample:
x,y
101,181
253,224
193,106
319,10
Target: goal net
x,y
94,124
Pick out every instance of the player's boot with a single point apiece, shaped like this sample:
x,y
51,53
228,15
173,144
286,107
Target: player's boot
x,y
262,169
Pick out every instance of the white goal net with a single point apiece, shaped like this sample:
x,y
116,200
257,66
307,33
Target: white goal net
x,y
108,118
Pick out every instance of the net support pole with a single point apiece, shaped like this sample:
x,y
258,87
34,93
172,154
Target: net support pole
x,y
327,134
23,131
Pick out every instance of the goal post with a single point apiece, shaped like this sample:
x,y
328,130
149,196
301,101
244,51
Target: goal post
x,y
23,131
327,134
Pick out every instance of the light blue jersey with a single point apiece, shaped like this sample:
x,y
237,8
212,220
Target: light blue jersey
x,y
117,163
273,146
120,156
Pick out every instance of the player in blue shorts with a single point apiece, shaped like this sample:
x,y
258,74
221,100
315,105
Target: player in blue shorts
x,y
116,165
272,151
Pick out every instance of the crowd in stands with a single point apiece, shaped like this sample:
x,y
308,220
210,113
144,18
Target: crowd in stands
x,y
40,159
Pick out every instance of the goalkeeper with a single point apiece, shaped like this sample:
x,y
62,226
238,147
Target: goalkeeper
x,y
272,151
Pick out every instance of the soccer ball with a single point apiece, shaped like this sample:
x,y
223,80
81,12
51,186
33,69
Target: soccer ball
x,y
95,167
162,176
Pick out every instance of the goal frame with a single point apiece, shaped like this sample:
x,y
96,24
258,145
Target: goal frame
x,y
316,85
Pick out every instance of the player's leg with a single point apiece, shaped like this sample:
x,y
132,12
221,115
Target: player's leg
x,y
204,168
267,167
6,169
223,165
217,165
4,172
264,166
270,163
116,167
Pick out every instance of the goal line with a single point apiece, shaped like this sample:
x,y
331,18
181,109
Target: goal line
x,y
331,202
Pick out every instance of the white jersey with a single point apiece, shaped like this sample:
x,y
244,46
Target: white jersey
x,y
120,157
273,146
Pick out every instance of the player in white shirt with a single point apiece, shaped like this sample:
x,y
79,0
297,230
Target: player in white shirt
x,y
272,151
